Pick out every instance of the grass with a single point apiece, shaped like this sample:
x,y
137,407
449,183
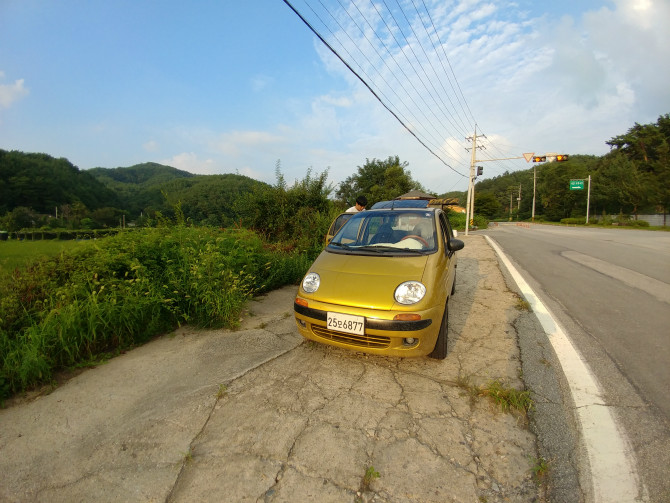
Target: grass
x,y
522,304
509,399
540,468
75,306
370,475
16,254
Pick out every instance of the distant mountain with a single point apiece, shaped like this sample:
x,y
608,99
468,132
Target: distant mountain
x,y
42,182
146,174
149,187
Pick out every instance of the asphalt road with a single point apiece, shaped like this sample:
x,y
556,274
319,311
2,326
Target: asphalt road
x,y
610,289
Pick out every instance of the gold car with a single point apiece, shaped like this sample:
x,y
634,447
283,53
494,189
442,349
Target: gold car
x,y
382,284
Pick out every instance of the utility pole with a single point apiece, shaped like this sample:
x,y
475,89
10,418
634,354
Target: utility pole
x,y
518,209
532,217
470,202
510,205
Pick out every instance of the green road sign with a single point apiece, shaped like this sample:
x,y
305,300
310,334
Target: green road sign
x,y
576,184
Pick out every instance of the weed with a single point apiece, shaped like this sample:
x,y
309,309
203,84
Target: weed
x,y
223,389
507,397
188,456
370,475
540,468
89,303
522,305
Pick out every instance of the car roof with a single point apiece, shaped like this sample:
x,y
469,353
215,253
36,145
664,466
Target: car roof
x,y
417,202
401,203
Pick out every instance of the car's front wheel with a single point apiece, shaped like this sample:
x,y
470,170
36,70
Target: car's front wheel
x,y
440,350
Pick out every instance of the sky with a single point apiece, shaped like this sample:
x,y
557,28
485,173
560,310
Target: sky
x,y
215,87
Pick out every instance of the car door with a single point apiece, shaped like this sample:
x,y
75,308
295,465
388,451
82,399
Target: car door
x,y
447,234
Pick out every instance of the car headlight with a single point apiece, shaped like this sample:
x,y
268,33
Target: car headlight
x,y
311,282
409,292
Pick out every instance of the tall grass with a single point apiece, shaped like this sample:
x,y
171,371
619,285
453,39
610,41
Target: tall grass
x,y
121,291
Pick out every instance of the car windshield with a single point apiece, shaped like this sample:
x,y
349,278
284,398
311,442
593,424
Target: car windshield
x,y
387,232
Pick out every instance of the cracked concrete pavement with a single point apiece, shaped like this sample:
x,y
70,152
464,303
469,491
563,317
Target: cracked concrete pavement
x,y
258,414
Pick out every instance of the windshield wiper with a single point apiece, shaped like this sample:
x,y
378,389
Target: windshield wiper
x,y
341,245
385,249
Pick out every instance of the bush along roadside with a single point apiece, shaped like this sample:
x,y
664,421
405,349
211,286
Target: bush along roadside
x,y
70,310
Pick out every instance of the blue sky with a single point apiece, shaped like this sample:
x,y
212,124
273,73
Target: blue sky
x,y
235,86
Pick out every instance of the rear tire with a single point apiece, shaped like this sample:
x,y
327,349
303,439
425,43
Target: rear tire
x,y
440,350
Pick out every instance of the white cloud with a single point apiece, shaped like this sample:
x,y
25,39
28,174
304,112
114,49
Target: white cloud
x,y
260,82
189,161
233,143
151,146
10,93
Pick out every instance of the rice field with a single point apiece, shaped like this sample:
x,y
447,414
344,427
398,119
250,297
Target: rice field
x,y
17,254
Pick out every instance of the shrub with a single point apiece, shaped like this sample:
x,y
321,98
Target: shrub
x,y
125,289
574,221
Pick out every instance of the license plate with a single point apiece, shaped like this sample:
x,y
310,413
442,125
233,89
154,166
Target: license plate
x,y
346,323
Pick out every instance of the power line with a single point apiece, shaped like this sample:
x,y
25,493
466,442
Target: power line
x,y
367,85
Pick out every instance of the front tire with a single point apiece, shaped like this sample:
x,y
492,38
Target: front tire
x,y
440,350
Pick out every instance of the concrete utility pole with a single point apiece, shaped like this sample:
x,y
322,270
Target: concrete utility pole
x,y
470,202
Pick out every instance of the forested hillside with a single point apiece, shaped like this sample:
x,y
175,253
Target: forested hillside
x,y
633,178
40,191
42,182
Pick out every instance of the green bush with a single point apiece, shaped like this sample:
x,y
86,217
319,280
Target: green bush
x,y
574,221
457,221
67,310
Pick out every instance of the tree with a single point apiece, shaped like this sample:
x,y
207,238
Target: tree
x,y
487,204
378,181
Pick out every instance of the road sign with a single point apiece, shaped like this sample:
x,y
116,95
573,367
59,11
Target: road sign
x,y
528,156
576,184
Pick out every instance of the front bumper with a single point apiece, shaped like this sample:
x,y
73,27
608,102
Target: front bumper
x,y
383,336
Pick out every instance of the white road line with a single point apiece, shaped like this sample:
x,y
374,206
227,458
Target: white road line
x,y
612,462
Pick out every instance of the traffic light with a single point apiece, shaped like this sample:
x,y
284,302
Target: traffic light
x,y
480,170
561,157
540,158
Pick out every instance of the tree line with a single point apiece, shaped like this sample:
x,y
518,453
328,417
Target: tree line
x,y
633,178
38,191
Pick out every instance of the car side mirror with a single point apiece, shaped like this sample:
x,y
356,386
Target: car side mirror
x,y
455,245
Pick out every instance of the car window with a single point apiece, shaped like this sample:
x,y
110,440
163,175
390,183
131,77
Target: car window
x,y
387,231
339,222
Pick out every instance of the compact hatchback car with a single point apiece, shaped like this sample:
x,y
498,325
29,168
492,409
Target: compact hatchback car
x,y
382,283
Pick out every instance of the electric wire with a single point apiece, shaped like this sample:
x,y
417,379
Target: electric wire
x,y
417,102
288,3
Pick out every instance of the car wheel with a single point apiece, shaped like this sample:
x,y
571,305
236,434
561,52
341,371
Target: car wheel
x,y
453,286
440,350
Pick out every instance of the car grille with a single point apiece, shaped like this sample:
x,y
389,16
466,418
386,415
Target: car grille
x,y
366,341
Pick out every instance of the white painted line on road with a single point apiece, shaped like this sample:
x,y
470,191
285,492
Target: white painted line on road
x,y
613,472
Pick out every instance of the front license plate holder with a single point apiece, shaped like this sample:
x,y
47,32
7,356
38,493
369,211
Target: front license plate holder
x,y
346,323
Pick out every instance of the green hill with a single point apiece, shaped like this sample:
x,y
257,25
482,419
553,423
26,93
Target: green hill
x,y
42,182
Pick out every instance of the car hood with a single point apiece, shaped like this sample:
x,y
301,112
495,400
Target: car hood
x,y
364,281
